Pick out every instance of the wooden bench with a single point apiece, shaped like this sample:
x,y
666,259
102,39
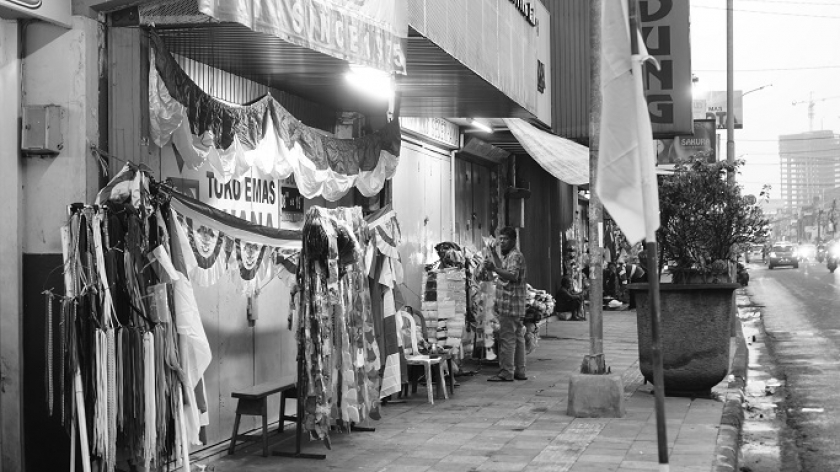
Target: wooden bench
x,y
254,401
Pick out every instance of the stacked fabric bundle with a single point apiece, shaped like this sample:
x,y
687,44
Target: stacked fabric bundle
x,y
444,307
539,304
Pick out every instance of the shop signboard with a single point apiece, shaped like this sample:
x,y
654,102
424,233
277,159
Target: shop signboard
x,y
712,106
665,29
435,129
371,33
249,197
253,196
53,11
703,143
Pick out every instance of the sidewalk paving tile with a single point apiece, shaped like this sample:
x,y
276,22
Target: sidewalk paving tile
x,y
518,426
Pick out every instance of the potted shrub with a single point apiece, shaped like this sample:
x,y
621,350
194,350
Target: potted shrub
x,y
703,223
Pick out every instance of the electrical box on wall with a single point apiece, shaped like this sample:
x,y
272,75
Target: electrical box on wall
x,y
41,133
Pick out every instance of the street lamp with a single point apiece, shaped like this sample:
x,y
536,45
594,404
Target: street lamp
x,y
756,89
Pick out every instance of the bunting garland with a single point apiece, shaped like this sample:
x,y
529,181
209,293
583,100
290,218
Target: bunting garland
x,y
233,139
217,244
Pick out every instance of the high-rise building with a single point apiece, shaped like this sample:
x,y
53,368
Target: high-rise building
x,y
810,164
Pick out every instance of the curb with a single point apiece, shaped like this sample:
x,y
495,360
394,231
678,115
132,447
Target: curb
x,y
728,444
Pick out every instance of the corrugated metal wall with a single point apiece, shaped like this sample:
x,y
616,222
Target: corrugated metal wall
x,y
488,36
570,67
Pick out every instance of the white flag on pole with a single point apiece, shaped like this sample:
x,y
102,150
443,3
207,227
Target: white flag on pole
x,y
626,163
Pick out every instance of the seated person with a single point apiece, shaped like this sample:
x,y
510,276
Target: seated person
x,y
569,300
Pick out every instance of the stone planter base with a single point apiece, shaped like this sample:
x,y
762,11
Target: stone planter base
x,y
694,331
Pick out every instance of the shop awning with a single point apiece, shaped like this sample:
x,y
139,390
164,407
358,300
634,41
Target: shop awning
x,y
566,160
436,84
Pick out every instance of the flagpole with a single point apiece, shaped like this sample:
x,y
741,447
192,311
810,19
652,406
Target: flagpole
x,y
651,208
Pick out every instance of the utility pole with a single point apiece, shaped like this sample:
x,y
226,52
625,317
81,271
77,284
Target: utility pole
x,y
730,94
595,363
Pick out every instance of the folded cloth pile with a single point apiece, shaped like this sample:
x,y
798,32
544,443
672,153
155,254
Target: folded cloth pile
x,y
444,307
539,304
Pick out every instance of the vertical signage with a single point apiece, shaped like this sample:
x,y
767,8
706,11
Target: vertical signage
x,y
665,29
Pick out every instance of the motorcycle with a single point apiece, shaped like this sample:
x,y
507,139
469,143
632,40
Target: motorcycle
x,y
820,253
833,257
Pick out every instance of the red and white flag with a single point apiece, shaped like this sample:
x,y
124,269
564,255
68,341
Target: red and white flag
x,y
626,181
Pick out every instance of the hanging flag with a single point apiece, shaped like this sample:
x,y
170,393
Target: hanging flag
x,y
626,163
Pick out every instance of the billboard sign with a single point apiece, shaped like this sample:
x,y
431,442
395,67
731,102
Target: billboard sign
x,y
665,29
703,143
712,106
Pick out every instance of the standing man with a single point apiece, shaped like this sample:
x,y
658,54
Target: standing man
x,y
510,307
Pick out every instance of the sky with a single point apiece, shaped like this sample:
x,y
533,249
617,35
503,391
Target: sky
x,y
793,45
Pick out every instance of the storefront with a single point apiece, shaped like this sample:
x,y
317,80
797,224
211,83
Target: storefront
x,y
422,195
234,65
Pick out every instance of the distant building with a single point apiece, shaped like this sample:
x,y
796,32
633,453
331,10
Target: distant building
x,y
810,165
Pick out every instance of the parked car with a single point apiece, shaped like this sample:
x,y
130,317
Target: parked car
x,y
782,254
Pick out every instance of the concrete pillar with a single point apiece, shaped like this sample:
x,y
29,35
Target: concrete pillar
x,y
11,200
61,67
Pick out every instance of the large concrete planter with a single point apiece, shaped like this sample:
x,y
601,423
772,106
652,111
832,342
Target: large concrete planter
x,y
695,330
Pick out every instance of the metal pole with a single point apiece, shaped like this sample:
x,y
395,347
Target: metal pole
x,y
651,205
730,94
594,363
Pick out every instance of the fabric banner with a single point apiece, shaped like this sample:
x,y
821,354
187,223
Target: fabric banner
x,y
626,162
263,135
214,244
372,33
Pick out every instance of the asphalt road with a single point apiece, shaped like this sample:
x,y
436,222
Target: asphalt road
x,y
801,315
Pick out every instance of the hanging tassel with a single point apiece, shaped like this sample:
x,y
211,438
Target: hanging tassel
x,y
48,300
161,391
100,406
62,335
119,336
149,433
111,459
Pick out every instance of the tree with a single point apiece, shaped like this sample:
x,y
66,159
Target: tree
x,y
704,220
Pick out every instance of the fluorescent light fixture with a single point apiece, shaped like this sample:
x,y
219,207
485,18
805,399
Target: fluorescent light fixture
x,y
372,82
480,125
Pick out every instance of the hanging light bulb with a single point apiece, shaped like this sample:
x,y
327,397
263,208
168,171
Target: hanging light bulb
x,y
372,82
